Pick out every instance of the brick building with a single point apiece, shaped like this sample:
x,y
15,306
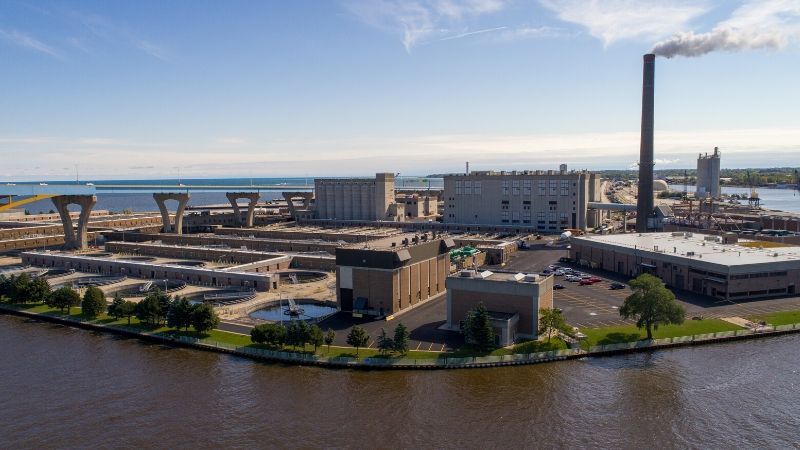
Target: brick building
x,y
391,275
513,301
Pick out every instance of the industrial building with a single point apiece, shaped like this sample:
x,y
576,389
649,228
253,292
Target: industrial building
x,y
708,175
393,274
356,198
545,201
512,299
722,267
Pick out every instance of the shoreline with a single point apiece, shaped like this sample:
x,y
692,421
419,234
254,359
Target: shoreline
x,y
371,363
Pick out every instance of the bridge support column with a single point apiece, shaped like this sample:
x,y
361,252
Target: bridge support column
x,y
251,207
306,198
75,240
182,199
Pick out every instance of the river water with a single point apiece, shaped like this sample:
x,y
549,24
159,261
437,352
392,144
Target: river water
x,y
68,388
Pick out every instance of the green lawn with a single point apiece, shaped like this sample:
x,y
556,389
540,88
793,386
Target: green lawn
x,y
778,318
241,340
615,335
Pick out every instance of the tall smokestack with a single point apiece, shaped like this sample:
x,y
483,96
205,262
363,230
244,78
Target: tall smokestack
x,y
644,204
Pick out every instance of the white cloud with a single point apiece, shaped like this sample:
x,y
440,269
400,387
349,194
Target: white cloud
x,y
231,141
27,41
47,157
419,21
615,20
471,33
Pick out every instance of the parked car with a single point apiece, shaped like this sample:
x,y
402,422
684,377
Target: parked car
x,y
572,278
595,279
615,286
587,282
558,286
559,273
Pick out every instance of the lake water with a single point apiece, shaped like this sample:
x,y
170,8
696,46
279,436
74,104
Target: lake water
x,y
70,388
778,199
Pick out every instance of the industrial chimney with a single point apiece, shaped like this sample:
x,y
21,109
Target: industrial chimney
x,y
644,204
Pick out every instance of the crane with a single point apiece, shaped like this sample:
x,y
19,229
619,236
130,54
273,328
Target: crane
x,y
754,201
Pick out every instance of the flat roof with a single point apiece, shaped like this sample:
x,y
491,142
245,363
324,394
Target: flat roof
x,y
694,247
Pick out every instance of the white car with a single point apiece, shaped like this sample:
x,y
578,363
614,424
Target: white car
x,y
560,273
572,278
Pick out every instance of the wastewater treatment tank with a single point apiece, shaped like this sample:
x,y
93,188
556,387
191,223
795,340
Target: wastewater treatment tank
x,y
306,309
143,289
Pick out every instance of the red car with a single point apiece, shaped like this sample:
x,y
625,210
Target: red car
x,y
587,282
595,279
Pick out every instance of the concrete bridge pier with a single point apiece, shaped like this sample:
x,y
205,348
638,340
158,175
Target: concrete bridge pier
x,y
251,207
73,240
182,199
305,198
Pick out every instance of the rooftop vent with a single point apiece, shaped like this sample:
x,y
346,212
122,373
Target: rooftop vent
x,y
532,278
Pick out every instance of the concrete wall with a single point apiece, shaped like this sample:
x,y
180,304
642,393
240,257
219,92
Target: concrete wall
x,y
354,198
275,261
146,270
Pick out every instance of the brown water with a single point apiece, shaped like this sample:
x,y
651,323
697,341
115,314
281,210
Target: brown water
x,y
68,388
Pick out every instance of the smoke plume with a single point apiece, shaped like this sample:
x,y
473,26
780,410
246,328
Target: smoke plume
x,y
765,24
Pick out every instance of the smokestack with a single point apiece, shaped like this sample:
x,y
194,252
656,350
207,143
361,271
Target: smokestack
x,y
644,204
467,168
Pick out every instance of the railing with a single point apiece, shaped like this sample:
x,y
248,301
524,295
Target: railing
x,y
449,362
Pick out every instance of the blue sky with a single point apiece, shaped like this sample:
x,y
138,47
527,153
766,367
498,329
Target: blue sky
x,y
208,89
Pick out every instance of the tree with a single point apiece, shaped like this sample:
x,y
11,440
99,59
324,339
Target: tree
x,y
94,302
19,288
385,343
651,304
37,291
114,308
550,319
268,333
179,314
126,309
5,285
148,310
298,333
477,328
357,337
401,338
330,336
204,318
315,336
64,298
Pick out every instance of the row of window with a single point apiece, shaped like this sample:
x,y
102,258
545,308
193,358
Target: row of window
x,y
517,187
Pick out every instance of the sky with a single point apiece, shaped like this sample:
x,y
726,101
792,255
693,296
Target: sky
x,y
204,89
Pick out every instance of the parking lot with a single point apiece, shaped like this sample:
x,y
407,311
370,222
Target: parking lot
x,y
598,306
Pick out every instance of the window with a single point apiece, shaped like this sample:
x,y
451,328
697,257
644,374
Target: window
x,y
553,187
459,187
565,187
515,187
542,187
468,188
526,187
477,188
505,188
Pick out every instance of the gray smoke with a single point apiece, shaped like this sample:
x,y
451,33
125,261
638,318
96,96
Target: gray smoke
x,y
756,24
732,40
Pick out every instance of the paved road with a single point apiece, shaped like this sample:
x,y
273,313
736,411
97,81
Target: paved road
x,y
423,322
